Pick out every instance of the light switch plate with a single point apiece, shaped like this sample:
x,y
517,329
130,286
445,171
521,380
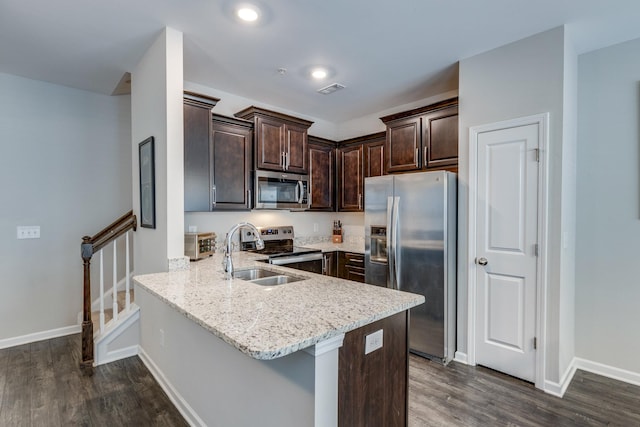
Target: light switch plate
x,y
373,342
28,232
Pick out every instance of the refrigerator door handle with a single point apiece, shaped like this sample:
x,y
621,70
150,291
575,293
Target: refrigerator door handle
x,y
390,248
394,233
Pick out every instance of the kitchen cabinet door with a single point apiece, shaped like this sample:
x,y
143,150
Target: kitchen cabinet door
x,y
269,144
374,157
350,179
425,138
321,175
281,140
296,149
231,144
403,145
441,138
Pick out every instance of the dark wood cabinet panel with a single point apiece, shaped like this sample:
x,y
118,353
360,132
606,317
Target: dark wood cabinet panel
x,y
351,266
372,388
321,174
231,143
441,137
269,149
374,156
403,145
425,138
330,260
217,158
296,149
350,178
281,140
197,179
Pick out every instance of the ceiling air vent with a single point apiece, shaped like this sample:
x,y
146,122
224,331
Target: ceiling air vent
x,y
331,88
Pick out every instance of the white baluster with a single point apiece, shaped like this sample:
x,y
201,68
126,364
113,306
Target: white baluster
x,y
115,282
127,295
101,292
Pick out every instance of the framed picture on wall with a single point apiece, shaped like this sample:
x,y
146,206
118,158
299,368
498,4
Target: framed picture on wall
x,y
147,184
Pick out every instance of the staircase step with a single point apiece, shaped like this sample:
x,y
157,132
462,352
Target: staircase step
x,y
108,312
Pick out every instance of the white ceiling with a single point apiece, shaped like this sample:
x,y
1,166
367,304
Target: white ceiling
x,y
386,52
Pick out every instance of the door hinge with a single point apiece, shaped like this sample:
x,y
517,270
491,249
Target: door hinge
x,y
537,153
535,343
535,249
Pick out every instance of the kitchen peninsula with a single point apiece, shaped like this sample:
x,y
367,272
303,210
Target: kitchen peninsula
x,y
320,351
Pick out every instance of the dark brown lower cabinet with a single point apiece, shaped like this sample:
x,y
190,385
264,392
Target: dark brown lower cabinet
x,y
372,388
351,266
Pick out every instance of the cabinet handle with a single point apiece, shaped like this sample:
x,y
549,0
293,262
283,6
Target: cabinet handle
x,y
287,160
213,196
249,198
424,165
282,160
417,157
360,201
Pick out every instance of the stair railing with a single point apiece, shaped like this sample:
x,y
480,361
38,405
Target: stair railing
x,y
89,247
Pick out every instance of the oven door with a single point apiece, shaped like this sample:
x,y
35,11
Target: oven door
x,y
306,262
276,190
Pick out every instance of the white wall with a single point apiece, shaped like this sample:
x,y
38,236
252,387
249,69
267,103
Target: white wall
x,y
302,222
608,207
65,166
156,110
516,80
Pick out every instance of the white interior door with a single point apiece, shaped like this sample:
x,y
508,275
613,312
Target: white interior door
x,y
506,249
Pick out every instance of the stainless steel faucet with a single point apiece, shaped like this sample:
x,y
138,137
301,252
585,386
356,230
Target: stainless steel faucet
x,y
226,262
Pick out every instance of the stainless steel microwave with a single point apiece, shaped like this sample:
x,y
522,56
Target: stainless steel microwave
x,y
278,190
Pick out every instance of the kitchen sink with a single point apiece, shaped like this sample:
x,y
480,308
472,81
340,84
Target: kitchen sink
x,y
264,277
275,280
253,273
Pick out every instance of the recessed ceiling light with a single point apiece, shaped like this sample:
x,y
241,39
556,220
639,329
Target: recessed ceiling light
x,y
319,73
247,13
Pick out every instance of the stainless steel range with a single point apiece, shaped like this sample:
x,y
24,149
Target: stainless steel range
x,y
278,245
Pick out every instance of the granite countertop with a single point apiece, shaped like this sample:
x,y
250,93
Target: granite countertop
x,y
270,322
345,247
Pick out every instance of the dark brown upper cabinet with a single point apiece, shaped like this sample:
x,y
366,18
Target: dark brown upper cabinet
x,y
350,178
197,135
322,174
217,158
231,148
423,138
374,154
281,140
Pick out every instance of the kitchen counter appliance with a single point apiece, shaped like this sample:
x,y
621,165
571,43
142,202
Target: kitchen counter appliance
x,y
278,245
410,245
199,245
277,190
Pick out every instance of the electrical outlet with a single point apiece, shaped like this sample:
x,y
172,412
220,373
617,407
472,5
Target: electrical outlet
x,y
28,232
373,342
161,338
193,229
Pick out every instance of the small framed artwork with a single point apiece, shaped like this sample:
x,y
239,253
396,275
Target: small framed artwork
x,y
147,184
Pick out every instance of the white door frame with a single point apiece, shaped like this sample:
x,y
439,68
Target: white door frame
x,y
542,120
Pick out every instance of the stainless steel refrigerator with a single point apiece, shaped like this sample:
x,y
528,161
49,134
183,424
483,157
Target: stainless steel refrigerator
x,y
410,245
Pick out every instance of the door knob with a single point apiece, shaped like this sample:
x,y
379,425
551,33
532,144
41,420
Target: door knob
x,y
481,261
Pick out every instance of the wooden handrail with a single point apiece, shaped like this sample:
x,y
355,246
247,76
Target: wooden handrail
x,y
89,246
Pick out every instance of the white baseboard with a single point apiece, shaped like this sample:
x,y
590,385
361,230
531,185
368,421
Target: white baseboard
x,y
40,336
122,353
176,398
608,371
461,357
559,388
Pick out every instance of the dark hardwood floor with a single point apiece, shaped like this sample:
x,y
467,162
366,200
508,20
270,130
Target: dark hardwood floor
x,y
42,385
461,395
